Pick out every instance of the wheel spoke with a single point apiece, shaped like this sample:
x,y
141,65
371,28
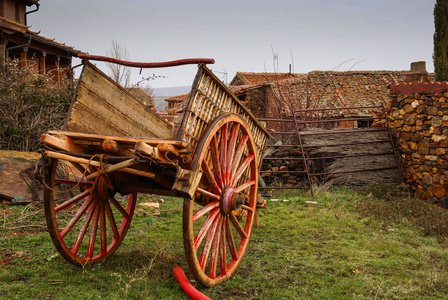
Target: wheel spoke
x,y
72,200
119,207
239,153
84,227
215,249
244,186
111,219
231,151
230,240
93,231
222,249
205,227
209,241
215,162
205,210
103,233
223,153
242,168
77,216
210,178
208,194
245,207
237,226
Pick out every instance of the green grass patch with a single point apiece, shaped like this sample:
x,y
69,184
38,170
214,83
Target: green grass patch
x,y
378,244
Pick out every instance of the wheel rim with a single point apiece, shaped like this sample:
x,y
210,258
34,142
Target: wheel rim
x,y
216,232
87,220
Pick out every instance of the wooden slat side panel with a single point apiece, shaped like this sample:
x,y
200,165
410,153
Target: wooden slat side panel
x,y
208,99
103,107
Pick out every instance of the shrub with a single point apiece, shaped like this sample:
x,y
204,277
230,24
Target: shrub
x,y
30,105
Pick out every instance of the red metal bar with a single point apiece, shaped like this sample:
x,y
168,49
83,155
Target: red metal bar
x,y
165,64
275,120
328,157
354,171
340,108
331,132
339,120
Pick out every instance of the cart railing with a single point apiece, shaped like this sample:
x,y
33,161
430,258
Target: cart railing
x,y
209,98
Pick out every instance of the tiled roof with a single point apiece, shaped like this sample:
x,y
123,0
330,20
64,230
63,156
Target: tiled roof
x,y
11,27
250,78
330,89
178,98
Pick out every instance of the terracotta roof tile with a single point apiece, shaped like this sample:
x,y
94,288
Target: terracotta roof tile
x,y
330,89
250,78
178,98
13,27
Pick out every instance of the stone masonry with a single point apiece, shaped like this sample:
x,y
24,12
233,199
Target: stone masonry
x,y
419,114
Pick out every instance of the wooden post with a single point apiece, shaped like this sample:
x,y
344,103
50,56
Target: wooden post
x,y
42,65
58,70
23,58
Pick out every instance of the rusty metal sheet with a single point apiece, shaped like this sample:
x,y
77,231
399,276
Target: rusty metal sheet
x,y
13,188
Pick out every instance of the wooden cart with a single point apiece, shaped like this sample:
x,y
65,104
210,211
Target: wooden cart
x,y
114,147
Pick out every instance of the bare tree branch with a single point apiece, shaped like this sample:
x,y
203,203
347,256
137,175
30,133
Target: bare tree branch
x,y
118,73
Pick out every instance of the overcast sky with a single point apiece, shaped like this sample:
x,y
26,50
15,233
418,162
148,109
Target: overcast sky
x,y
245,35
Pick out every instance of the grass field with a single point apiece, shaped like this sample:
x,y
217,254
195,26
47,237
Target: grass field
x,y
338,245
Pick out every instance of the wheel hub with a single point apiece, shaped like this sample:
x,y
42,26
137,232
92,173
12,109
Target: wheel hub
x,y
102,189
229,200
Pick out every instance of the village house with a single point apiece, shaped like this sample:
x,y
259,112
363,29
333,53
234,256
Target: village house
x,y
17,41
271,95
174,107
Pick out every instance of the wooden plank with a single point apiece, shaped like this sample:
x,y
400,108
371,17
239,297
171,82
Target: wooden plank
x,y
103,107
122,140
61,142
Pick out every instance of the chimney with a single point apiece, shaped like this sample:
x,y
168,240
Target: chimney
x,y
418,66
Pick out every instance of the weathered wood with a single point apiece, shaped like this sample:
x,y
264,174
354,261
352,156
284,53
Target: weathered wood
x,y
80,160
104,107
113,168
61,142
111,146
122,140
150,151
186,182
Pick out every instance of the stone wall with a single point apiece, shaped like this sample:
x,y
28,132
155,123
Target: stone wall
x,y
419,114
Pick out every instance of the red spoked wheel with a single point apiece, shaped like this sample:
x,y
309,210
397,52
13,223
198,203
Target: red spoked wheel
x,y
217,223
87,220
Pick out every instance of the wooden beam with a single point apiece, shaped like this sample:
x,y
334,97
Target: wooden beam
x,y
62,143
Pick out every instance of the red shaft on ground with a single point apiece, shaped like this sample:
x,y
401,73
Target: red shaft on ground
x,y
187,287
164,64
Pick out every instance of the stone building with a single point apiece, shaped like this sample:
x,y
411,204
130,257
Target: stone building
x,y
270,95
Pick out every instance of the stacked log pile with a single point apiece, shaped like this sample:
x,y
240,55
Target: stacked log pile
x,y
284,160
419,114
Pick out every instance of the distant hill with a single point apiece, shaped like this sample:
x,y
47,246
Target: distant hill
x,y
171,91
160,103
162,93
